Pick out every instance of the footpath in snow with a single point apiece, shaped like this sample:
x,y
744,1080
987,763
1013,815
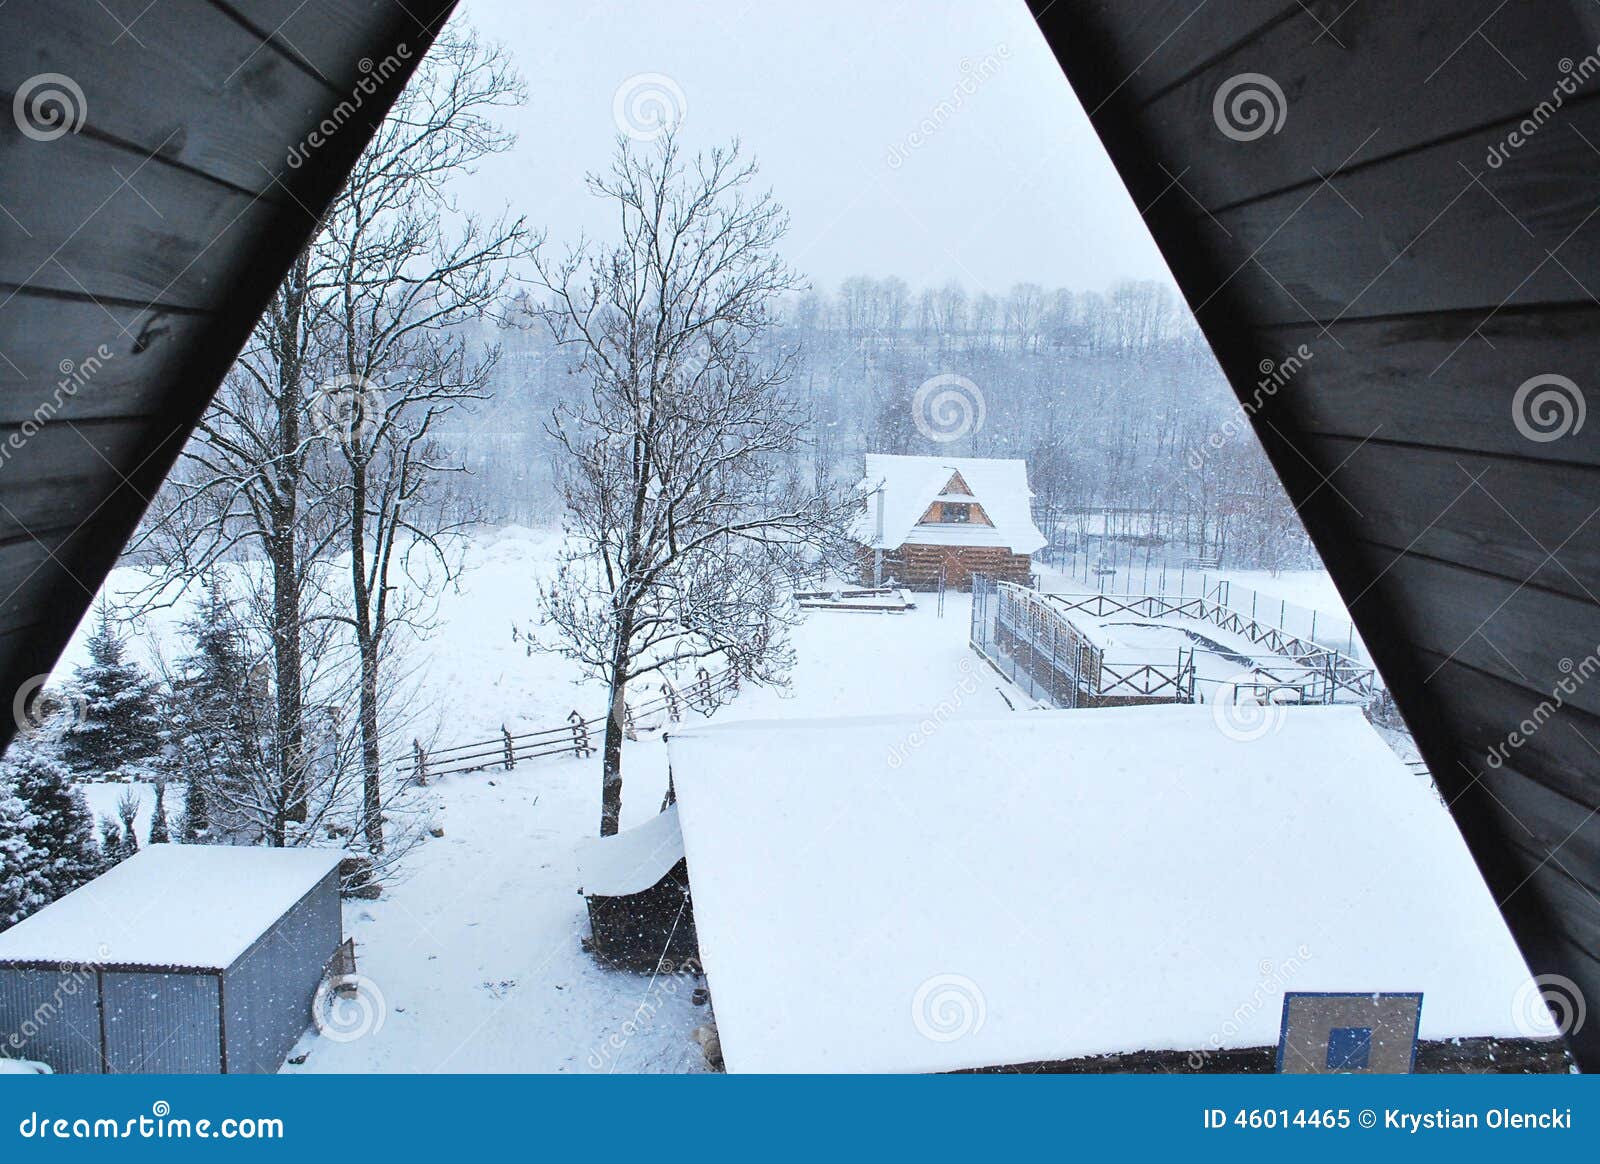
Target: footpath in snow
x,y
474,960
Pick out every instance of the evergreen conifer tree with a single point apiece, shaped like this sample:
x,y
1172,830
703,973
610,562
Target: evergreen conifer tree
x,y
24,887
111,842
117,731
62,829
160,832
219,715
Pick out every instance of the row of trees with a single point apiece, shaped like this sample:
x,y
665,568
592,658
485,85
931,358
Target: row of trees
x,y
1113,399
317,487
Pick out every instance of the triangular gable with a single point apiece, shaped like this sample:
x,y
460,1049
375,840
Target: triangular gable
x,y
907,486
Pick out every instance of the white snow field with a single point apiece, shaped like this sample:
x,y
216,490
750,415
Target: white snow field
x,y
873,895
475,952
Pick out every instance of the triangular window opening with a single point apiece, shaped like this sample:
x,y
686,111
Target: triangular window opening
x,y
943,512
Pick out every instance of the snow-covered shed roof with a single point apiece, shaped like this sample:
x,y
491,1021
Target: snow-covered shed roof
x,y
197,907
633,860
909,485
897,894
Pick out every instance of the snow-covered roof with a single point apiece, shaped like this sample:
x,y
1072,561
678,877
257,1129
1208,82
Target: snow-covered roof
x,y
1049,885
910,484
632,860
192,906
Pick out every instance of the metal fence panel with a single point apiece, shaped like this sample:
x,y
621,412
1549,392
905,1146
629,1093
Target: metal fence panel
x,y
51,1016
162,1024
267,994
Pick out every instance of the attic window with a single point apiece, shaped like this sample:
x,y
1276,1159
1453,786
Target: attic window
x,y
956,512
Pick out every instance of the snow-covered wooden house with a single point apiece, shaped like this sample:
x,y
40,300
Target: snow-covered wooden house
x,y
1102,890
951,517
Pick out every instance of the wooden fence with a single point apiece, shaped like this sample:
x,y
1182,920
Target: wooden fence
x,y
578,736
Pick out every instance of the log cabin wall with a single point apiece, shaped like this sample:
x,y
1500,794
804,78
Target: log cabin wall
x,y
917,566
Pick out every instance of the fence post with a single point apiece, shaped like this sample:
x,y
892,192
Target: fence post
x,y
580,734
419,762
511,751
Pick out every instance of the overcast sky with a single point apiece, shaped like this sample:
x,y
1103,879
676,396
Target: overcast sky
x,y
1008,183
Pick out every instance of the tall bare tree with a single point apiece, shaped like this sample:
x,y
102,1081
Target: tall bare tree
x,y
405,274
243,489
684,519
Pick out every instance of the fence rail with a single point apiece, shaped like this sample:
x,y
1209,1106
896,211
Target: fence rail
x,y
576,737
1029,637
1332,671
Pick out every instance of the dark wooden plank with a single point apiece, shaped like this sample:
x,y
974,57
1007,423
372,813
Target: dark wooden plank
x,y
1518,632
52,477
1447,379
71,359
219,100
1503,727
1431,231
336,38
96,221
1169,40
1379,80
1527,521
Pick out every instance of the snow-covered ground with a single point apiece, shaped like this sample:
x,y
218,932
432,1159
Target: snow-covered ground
x,y
476,954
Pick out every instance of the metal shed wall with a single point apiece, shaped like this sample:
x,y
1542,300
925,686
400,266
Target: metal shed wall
x,y
267,994
161,1023
52,1016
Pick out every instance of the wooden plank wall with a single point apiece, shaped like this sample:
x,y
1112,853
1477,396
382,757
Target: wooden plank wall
x,y
138,249
1418,210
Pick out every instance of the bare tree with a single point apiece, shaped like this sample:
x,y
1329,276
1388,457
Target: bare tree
x,y
683,521
243,489
404,275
